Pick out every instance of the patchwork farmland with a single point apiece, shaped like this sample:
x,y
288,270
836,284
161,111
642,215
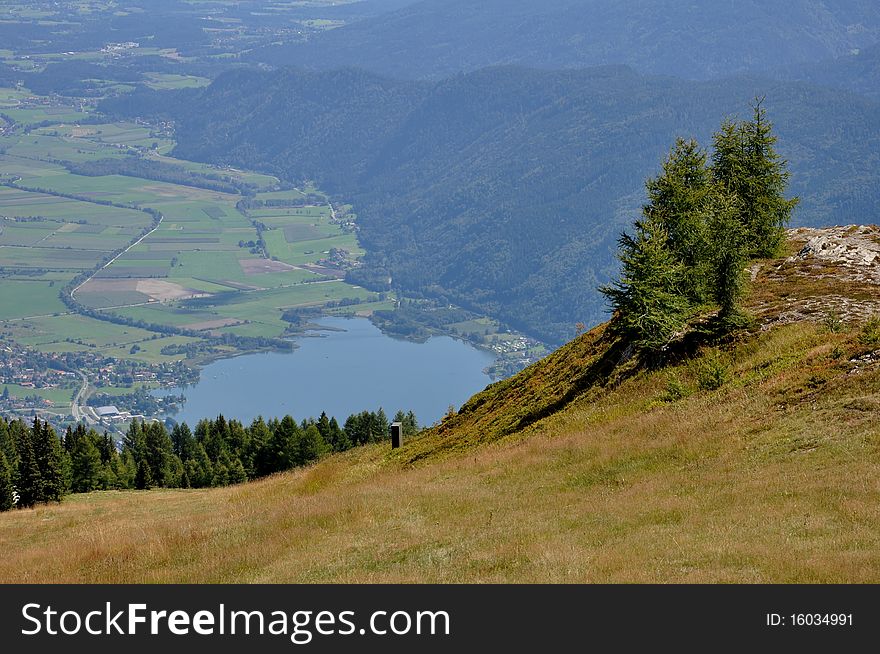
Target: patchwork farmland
x,y
177,267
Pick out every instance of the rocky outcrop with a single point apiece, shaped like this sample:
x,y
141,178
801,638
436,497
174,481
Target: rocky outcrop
x,y
834,277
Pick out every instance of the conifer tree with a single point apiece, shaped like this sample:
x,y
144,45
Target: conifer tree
x,y
7,444
678,200
182,441
311,446
745,163
86,467
729,254
7,500
647,298
284,444
30,483
50,460
323,425
237,474
258,458
379,426
158,453
143,479
338,439
199,469
127,473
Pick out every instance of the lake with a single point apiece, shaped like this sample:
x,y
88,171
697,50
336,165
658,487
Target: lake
x,y
340,372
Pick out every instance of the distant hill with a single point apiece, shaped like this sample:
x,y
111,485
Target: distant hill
x,y
504,190
858,72
596,472
697,40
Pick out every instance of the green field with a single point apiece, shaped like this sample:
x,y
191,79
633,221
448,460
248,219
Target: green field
x,y
204,245
60,397
167,81
20,299
36,115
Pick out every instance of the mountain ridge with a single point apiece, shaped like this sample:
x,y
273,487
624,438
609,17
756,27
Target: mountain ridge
x,y
436,38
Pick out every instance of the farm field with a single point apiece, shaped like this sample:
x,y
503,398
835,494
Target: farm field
x,y
210,268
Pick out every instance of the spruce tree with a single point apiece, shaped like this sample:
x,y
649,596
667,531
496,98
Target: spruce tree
x,y
7,500
86,467
338,439
647,297
257,462
200,469
284,445
143,479
409,422
312,446
379,426
678,200
158,452
728,257
182,441
50,460
7,443
323,425
746,163
237,474
30,483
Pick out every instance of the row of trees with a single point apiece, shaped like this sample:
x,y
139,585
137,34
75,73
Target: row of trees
x,y
37,466
706,217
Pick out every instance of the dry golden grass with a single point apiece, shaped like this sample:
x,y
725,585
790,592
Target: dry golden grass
x,y
775,477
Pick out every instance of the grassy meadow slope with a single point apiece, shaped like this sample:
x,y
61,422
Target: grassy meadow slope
x,y
583,468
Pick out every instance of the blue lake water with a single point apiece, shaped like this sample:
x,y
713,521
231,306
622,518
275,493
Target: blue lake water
x,y
340,372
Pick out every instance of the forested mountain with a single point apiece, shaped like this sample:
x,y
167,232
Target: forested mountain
x,y
859,72
698,40
504,190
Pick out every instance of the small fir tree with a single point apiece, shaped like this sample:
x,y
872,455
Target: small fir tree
x,y
647,298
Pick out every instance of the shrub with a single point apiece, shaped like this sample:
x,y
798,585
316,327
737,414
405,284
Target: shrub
x,y
675,388
871,332
833,322
712,372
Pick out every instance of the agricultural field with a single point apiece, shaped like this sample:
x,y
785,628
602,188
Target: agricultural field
x,y
209,268
166,81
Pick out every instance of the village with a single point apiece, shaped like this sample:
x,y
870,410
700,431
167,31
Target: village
x,y
51,385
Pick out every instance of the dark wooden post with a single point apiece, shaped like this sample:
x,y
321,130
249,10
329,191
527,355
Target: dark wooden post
x,y
396,435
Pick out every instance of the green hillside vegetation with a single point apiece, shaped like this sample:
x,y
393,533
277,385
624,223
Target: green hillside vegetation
x,y
503,191
38,466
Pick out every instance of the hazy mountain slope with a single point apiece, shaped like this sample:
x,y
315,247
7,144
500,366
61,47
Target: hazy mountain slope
x,y
770,478
858,72
434,38
505,189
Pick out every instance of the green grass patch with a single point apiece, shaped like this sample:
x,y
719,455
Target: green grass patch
x,y
20,299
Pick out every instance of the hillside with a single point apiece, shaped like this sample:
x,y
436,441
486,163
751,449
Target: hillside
x,y
858,72
504,190
697,40
753,460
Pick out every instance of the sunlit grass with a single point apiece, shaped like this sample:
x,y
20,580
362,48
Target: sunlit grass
x,y
764,479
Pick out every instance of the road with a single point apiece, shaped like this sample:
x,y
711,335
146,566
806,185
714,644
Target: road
x,y
109,263
75,411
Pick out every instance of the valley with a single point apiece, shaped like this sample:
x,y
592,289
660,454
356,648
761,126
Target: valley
x,y
157,275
